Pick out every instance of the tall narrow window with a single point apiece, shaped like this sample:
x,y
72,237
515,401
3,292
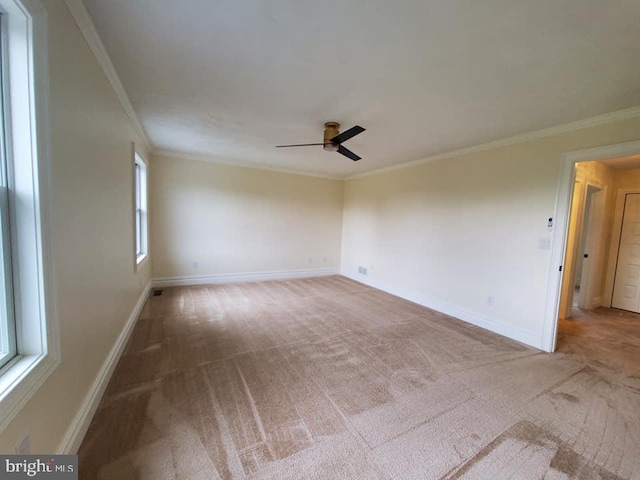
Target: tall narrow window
x,y
29,338
140,193
7,318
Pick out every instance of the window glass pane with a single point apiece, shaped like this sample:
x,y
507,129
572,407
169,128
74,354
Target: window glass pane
x,y
7,325
138,233
7,317
137,185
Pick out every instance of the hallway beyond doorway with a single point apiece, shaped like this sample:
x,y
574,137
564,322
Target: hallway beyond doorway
x,y
604,337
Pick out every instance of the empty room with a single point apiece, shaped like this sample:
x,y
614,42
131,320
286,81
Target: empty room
x,y
319,240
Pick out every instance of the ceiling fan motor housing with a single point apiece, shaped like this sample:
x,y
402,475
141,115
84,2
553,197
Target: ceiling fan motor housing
x,y
331,129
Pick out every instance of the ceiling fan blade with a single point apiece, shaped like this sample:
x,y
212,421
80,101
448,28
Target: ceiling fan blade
x,y
348,153
299,145
346,135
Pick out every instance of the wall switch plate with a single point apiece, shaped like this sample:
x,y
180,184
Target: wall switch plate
x,y
544,244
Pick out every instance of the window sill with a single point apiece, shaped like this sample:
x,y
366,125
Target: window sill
x,y
20,380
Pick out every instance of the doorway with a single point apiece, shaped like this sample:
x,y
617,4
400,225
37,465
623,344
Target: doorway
x,y
579,217
585,257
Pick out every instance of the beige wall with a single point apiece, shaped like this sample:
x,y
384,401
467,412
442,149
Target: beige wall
x,y
92,222
451,233
233,220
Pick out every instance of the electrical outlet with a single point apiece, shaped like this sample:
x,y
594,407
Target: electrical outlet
x,y
24,446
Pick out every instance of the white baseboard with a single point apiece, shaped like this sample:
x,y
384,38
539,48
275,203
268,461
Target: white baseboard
x,y
78,428
241,277
532,339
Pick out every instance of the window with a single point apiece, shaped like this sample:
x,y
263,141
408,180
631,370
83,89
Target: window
x,y
7,317
140,215
29,340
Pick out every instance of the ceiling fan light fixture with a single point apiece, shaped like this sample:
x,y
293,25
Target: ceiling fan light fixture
x,y
330,147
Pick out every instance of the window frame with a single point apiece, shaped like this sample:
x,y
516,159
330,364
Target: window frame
x,y
26,122
140,209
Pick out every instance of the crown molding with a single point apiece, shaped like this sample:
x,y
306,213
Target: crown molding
x,y
88,29
617,116
219,161
522,138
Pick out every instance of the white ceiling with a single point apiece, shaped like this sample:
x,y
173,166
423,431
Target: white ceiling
x,y
231,79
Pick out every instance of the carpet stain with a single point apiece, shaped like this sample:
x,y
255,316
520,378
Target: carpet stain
x,y
528,451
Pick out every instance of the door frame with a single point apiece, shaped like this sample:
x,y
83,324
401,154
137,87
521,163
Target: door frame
x,y
594,233
559,239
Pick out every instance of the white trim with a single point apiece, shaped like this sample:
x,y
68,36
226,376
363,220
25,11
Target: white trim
x,y
620,115
559,239
220,161
184,281
141,260
88,29
80,423
22,380
529,338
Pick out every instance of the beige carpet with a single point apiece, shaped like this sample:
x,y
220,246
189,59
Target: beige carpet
x,y
328,379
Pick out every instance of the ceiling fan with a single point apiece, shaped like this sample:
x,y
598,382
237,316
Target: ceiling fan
x,y
333,140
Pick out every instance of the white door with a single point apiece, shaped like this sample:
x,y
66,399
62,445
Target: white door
x,y
626,290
